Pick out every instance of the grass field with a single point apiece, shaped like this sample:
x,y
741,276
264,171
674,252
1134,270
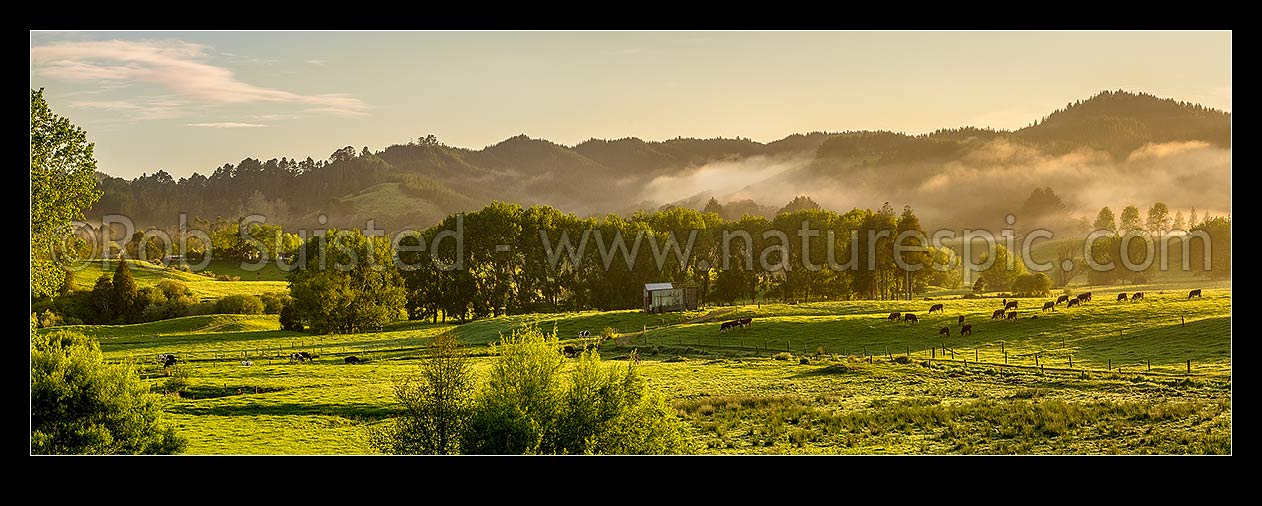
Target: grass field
x,y
740,392
148,274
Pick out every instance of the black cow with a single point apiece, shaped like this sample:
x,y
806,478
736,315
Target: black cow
x,y
745,322
352,359
997,314
1049,305
945,330
1012,315
1073,302
895,316
1121,297
1137,296
1010,305
961,319
570,350
1085,297
1195,293
584,333
910,318
1062,298
301,356
167,360
935,307
727,325
967,329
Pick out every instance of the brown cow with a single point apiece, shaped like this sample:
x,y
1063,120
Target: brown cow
x,y
997,314
935,307
967,329
1085,297
895,316
945,330
910,318
1073,302
1137,296
1012,315
1049,305
1121,297
1195,293
961,319
1062,298
1010,305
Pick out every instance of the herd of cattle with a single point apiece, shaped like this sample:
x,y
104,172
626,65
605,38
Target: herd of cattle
x,y
1008,311
167,359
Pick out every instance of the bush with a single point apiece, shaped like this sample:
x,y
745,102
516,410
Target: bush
x,y
227,277
81,405
784,355
239,304
49,319
177,381
274,302
436,402
289,319
1032,285
527,405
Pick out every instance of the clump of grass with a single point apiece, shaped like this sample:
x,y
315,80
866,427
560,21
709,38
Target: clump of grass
x,y
902,359
784,355
804,361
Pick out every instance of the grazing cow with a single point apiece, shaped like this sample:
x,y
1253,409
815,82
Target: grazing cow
x,y
570,350
961,319
935,307
301,356
895,316
1010,305
1049,305
584,333
1012,315
945,331
1062,298
1195,293
967,329
723,327
1121,297
997,314
745,322
1073,302
352,360
911,318
247,362
1085,297
167,360
1137,296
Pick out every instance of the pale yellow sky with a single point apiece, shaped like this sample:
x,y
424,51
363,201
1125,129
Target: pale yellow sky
x,y
191,101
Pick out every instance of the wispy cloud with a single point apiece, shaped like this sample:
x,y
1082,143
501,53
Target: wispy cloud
x,y
226,125
317,61
176,65
161,107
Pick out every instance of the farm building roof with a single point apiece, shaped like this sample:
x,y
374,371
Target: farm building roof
x,y
657,286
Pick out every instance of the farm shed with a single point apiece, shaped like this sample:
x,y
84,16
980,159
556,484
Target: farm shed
x,y
663,297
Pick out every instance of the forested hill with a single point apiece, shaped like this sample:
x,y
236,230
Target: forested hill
x,y
416,184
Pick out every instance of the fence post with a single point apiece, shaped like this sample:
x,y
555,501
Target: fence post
x,y
975,355
1071,361
909,352
933,352
1110,364
1189,367
1149,364
1005,357
1005,352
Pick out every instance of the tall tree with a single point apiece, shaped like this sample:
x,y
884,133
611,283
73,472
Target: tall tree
x,y
1158,218
63,186
1192,219
1130,220
124,292
713,206
1179,223
1105,221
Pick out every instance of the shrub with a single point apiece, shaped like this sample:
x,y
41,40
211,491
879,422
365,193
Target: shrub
x,y
227,277
49,319
274,302
239,304
177,382
436,403
902,359
81,405
528,406
289,319
784,355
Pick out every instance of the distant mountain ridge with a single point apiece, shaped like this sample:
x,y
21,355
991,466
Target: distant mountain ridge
x,y
416,184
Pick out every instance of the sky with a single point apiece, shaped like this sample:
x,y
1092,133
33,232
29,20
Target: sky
x,y
189,102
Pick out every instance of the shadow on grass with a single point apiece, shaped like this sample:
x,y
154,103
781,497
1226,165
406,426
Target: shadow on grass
x,y
351,410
